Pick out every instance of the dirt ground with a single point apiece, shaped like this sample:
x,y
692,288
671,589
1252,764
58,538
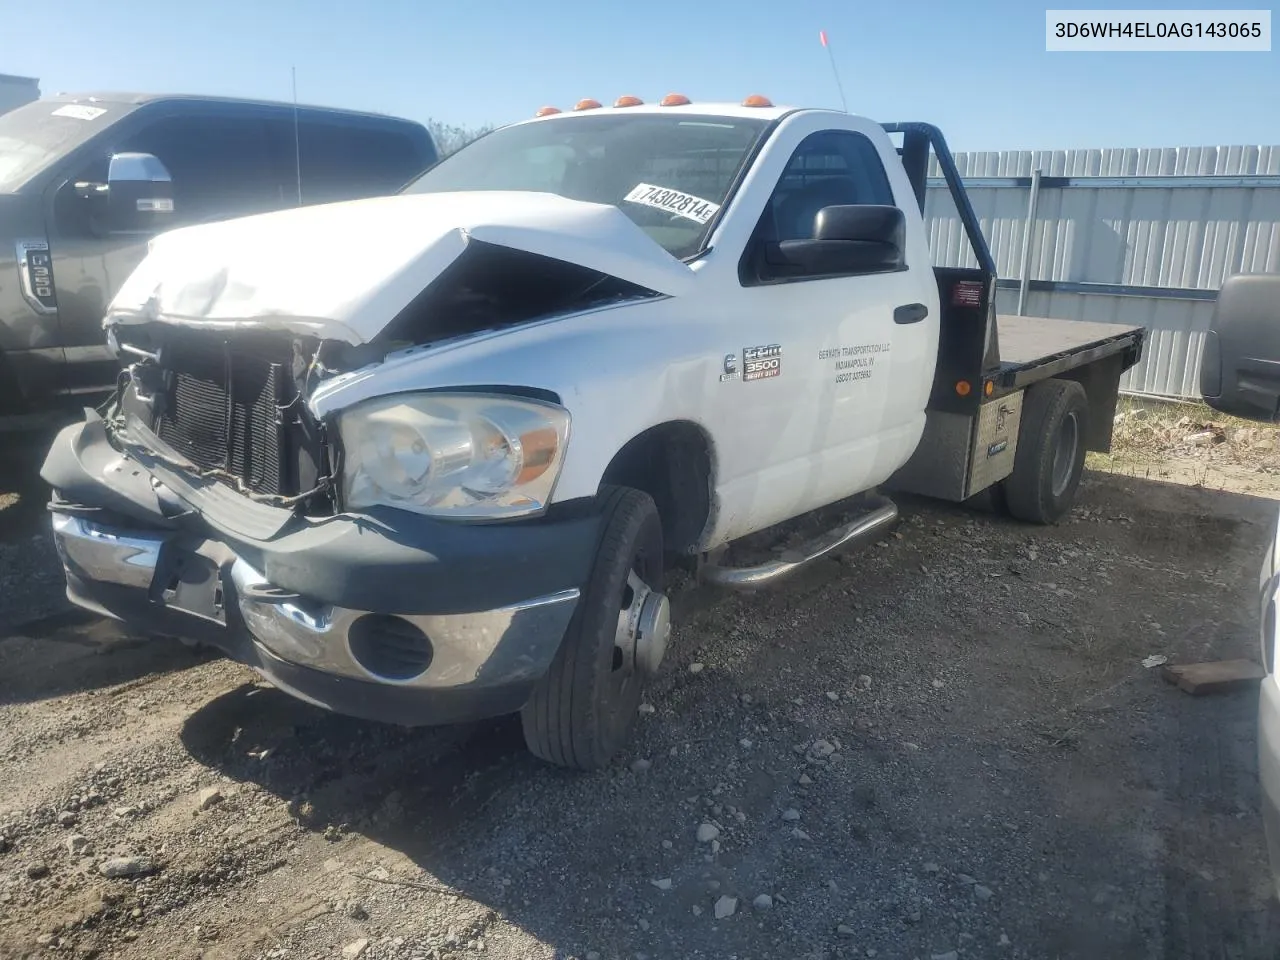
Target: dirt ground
x,y
945,745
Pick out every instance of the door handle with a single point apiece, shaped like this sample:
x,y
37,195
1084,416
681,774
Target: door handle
x,y
910,313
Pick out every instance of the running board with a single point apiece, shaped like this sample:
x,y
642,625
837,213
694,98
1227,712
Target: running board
x,y
882,514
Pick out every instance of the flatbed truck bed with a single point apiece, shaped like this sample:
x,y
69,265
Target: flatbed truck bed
x,y
1030,341
1034,348
962,453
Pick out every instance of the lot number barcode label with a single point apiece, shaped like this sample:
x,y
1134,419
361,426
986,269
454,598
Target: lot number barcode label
x,y
681,204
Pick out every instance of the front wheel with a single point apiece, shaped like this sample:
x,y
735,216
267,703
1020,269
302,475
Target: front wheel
x,y
581,713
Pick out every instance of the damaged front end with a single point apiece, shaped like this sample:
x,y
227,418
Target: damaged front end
x,y
228,329
206,506
209,502
231,408
225,409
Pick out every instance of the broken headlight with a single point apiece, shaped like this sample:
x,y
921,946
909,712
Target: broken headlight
x,y
466,456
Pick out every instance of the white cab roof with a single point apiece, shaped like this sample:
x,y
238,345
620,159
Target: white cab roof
x,y
734,110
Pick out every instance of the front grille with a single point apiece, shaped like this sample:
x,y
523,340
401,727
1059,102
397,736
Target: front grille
x,y
222,412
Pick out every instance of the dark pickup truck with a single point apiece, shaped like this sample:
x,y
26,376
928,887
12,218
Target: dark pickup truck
x,y
87,180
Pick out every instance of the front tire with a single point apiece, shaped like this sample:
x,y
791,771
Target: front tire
x,y
1050,456
582,712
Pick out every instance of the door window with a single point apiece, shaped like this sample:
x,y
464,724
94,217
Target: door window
x,y
828,168
222,167
350,161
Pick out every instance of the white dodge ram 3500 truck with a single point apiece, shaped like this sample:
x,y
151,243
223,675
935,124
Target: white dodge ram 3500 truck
x,y
423,458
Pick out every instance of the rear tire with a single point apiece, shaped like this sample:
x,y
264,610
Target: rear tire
x,y
582,712
1050,456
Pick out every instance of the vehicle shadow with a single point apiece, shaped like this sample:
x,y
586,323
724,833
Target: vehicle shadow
x,y
474,812
75,650
444,798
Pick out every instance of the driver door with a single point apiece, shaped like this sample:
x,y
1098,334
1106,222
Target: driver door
x,y
838,392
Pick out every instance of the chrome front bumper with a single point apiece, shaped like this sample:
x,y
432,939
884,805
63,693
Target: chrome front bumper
x,y
510,645
106,554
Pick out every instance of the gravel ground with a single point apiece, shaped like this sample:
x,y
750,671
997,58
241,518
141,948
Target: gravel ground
x,y
942,746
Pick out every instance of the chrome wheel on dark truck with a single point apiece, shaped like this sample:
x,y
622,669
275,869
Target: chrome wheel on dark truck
x,y
582,711
1050,456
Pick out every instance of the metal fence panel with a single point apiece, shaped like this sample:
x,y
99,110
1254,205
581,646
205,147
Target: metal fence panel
x,y
1151,252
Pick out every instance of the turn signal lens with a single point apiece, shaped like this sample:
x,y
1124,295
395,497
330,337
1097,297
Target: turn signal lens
x,y
988,388
546,111
964,388
587,105
628,102
539,449
674,100
755,100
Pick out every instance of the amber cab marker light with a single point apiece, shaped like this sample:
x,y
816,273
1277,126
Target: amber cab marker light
x,y
963,387
755,100
546,111
988,388
628,101
587,105
674,100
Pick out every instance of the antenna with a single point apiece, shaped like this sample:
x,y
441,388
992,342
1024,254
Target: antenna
x,y
297,146
822,35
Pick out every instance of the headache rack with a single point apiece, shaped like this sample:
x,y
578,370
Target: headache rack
x,y
985,363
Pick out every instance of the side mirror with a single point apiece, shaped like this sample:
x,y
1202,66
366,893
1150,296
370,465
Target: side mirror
x,y
1240,366
139,194
849,239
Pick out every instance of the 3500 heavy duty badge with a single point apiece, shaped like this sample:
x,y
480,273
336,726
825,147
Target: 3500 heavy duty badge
x,y
760,363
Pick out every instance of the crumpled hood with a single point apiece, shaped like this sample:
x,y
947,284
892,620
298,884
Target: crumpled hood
x,y
345,270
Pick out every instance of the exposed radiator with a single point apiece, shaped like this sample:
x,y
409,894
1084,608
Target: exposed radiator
x,y
222,412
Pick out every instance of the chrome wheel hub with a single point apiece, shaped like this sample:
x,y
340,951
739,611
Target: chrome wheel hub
x,y
644,626
1064,454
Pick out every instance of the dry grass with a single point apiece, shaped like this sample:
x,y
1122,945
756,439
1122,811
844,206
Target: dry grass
x,y
1160,429
1191,443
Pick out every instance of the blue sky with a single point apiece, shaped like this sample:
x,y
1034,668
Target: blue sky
x,y
979,70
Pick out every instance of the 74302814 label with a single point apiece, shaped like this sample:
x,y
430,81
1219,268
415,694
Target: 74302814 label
x,y
674,201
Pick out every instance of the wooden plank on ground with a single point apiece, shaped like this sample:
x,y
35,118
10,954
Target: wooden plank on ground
x,y
1215,677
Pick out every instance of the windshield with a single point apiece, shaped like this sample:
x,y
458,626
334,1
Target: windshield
x,y
36,134
669,174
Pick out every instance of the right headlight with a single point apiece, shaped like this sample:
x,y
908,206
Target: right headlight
x,y
466,456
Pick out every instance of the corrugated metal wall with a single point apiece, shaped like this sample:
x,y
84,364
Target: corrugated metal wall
x,y
1177,242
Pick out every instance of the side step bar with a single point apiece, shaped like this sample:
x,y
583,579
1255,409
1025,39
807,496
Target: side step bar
x,y
882,514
